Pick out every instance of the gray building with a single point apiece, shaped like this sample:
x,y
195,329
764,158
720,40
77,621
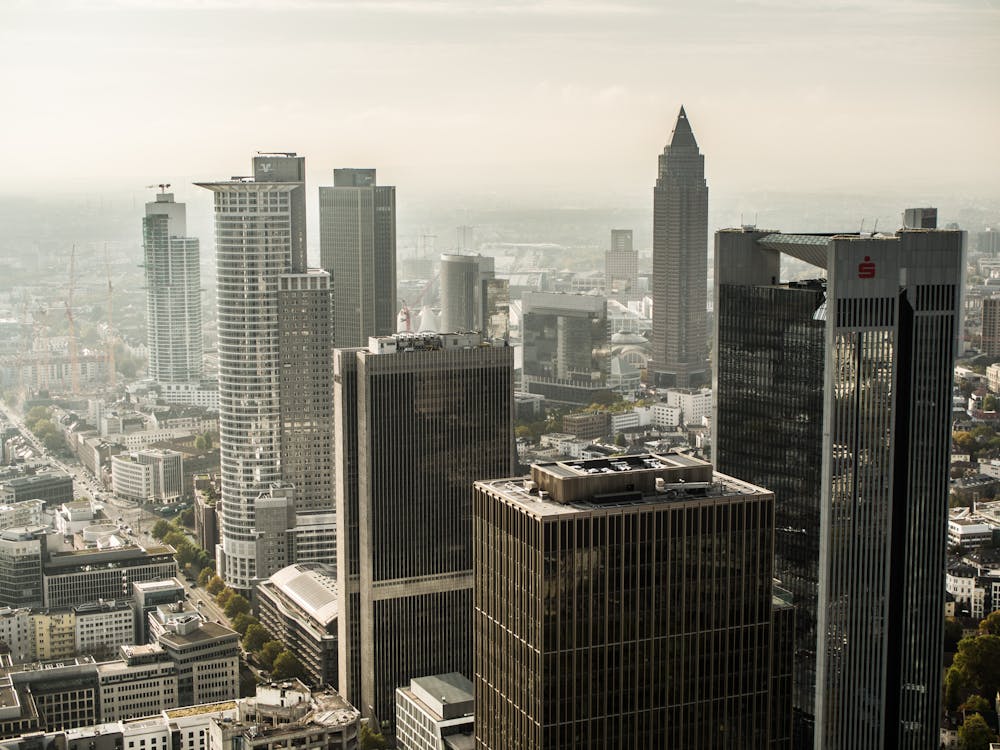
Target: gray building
x,y
172,262
567,355
274,402
298,605
22,550
420,417
848,379
53,486
207,657
680,263
306,387
464,291
357,219
621,266
69,577
626,602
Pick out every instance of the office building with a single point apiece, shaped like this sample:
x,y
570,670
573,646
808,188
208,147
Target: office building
x,y
207,656
623,602
435,713
357,220
566,351
306,387
71,576
147,596
173,293
141,682
298,605
152,475
990,343
419,418
49,696
836,395
680,263
21,552
464,291
621,266
274,417
53,486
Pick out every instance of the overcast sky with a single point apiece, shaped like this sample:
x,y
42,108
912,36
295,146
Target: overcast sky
x,y
453,97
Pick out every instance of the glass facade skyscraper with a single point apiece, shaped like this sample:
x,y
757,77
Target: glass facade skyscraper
x,y
836,394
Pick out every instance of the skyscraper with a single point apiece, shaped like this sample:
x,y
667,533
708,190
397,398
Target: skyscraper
x,y
434,413
626,602
463,291
357,220
260,245
836,394
173,293
621,265
680,263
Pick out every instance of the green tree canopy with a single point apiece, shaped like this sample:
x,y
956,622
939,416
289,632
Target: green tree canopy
x,y
215,585
991,624
255,637
269,652
287,666
952,633
975,669
160,529
237,604
242,621
372,740
223,597
204,576
975,734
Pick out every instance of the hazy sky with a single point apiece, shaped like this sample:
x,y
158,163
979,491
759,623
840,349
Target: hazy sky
x,y
468,97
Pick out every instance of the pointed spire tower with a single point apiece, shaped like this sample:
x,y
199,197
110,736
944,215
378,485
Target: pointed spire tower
x,y
680,263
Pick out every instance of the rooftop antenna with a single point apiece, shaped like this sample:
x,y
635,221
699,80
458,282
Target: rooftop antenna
x,y
162,186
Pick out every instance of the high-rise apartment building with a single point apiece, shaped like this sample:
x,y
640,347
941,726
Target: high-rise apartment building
x,y
626,602
680,263
420,417
566,352
357,227
173,293
464,291
621,265
836,394
274,359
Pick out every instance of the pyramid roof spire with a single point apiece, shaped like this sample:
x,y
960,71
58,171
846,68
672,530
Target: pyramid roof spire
x,y
682,135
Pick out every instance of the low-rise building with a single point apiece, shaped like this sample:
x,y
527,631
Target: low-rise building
x,y
17,633
968,532
694,403
53,486
587,425
207,656
150,475
147,595
436,713
91,574
298,605
101,627
22,513
140,683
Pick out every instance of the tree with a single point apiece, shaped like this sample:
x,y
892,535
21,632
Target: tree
x,y
990,403
53,442
35,414
186,517
255,637
223,597
952,633
204,576
215,585
237,604
200,444
620,440
975,669
287,666
990,625
175,538
269,652
242,621
975,734
160,529
372,740
974,704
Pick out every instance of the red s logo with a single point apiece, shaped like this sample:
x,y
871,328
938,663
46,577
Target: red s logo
x,y
866,269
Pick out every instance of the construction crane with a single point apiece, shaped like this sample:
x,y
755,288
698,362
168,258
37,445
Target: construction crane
x,y
74,362
111,321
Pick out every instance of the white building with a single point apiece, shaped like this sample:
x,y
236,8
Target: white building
x,y
433,709
207,656
141,683
694,403
152,475
666,416
101,627
24,513
969,532
204,393
17,631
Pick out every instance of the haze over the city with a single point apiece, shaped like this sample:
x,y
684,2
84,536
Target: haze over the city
x,y
460,100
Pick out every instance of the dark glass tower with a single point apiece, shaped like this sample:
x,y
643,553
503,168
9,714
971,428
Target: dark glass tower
x,y
434,413
626,603
680,263
357,232
835,394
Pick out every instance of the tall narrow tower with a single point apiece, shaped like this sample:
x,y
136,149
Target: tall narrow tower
x,y
275,391
836,394
680,263
357,219
420,417
173,293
